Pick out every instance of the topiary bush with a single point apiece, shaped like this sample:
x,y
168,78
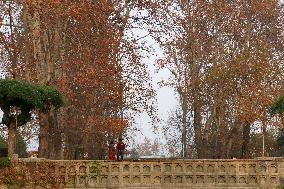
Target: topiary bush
x,y
48,96
17,93
20,94
28,96
25,96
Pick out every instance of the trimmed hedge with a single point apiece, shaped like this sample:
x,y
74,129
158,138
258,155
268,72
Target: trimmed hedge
x,y
17,93
27,95
48,95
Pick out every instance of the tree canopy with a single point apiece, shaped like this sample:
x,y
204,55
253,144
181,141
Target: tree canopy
x,y
27,96
17,93
48,96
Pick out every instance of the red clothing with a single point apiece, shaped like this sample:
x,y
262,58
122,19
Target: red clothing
x,y
111,152
120,145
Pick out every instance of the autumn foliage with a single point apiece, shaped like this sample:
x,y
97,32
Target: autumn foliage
x,y
226,63
225,59
79,47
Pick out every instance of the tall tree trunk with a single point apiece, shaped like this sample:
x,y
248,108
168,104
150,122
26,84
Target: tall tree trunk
x,y
55,138
43,136
207,133
230,140
47,51
222,131
263,140
198,132
245,141
184,105
50,139
11,139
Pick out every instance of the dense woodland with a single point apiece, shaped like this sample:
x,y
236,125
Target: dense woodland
x,y
225,60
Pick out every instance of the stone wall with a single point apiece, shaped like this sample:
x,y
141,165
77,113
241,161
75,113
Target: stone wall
x,y
169,174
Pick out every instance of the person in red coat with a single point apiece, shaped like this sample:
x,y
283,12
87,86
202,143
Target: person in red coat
x,y
120,147
111,151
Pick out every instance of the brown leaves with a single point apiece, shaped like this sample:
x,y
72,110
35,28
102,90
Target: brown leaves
x,y
223,56
80,46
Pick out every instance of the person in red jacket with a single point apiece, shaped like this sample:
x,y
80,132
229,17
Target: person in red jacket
x,y
111,151
120,147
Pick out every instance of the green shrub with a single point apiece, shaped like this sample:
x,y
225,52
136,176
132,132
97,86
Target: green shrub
x,y
22,93
26,96
5,162
48,95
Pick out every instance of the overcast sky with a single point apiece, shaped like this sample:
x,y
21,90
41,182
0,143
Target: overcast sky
x,y
165,97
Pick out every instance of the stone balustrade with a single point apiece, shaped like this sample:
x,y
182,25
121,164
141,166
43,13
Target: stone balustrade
x,y
169,174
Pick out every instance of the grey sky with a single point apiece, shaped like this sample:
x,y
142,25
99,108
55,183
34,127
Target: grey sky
x,y
165,96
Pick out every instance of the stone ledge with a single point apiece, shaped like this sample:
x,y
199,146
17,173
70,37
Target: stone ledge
x,y
166,174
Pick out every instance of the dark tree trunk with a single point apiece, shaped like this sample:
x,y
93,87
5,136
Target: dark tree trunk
x,y
43,136
184,105
50,143
55,138
11,139
198,133
245,141
230,140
